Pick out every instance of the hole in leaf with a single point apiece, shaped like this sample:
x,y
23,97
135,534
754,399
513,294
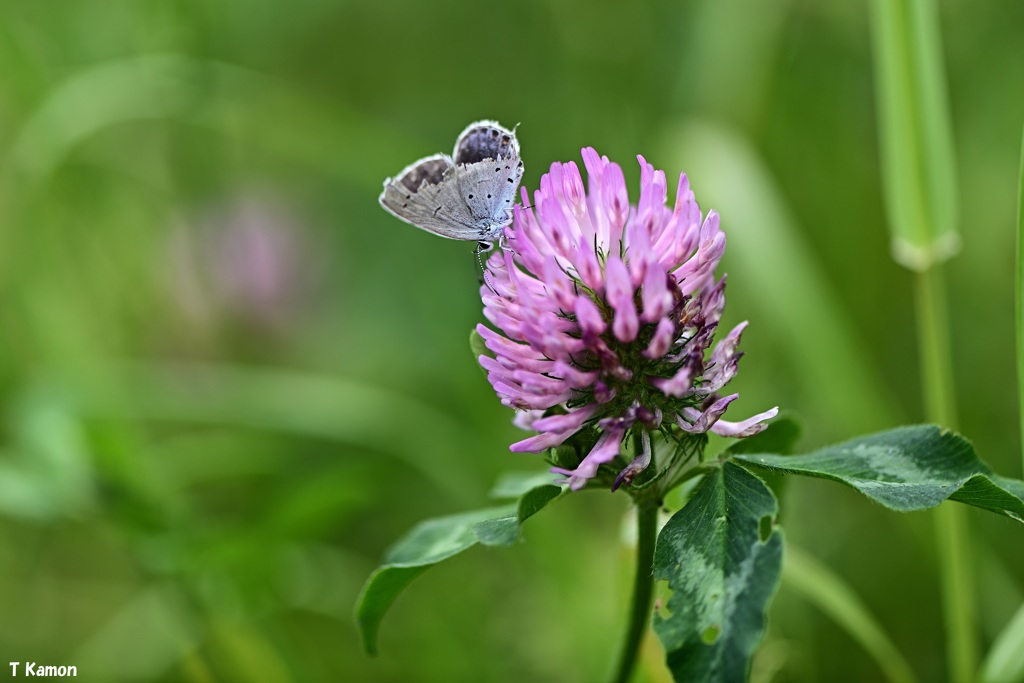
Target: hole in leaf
x,y
711,634
764,528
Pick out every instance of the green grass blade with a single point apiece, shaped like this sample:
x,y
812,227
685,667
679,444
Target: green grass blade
x,y
916,138
1005,661
291,402
775,267
817,584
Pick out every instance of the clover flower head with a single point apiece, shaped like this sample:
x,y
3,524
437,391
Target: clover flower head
x,y
607,313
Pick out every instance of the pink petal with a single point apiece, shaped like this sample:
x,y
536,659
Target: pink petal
x,y
656,297
605,450
626,325
723,364
679,385
577,379
524,419
540,443
748,427
702,422
620,286
639,464
663,337
572,188
589,316
615,198
569,421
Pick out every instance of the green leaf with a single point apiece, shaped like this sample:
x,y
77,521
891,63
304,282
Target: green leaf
x,y
505,530
779,437
722,556
908,468
478,346
434,540
515,484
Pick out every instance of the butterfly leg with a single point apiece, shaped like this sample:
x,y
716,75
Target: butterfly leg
x,y
503,241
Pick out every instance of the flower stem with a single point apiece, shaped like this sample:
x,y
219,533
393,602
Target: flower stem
x,y
643,588
952,534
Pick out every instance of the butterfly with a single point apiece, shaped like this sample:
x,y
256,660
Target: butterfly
x,y
465,196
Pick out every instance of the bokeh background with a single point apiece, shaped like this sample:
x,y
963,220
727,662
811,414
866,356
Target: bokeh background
x,y
228,379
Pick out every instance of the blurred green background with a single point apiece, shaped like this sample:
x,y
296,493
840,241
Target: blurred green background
x,y
228,379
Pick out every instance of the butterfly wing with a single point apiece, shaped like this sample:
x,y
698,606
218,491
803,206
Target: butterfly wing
x,y
485,140
488,189
425,194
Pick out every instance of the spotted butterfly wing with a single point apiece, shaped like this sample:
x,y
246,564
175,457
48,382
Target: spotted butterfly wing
x,y
466,197
485,140
425,194
487,156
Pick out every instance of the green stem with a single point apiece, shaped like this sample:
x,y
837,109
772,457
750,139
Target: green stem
x,y
952,535
953,540
933,342
643,588
1020,295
